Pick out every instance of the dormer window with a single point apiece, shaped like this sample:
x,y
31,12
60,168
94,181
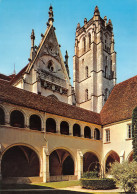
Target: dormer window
x,y
50,66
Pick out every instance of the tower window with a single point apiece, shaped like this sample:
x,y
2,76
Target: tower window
x,y
107,135
86,94
89,39
50,66
84,44
86,71
106,95
105,73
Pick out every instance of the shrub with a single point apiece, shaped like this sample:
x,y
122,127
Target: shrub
x,y
106,183
91,174
125,174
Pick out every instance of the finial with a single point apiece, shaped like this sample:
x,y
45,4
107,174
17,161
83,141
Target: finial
x,y
51,19
78,27
109,22
85,21
14,72
96,12
66,56
105,19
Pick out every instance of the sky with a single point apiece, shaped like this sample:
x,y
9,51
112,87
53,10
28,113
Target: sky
x,y
19,17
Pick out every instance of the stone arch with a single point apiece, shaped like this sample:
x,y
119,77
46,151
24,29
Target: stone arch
x,y
17,119
51,125
64,128
111,157
20,160
91,162
76,130
35,122
2,116
87,132
96,134
130,156
61,162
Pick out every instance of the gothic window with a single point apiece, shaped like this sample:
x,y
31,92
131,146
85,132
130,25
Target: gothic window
x,y
35,122
89,39
51,125
84,44
50,66
87,132
2,117
107,135
76,130
106,95
86,94
96,134
86,71
130,131
64,128
17,119
105,73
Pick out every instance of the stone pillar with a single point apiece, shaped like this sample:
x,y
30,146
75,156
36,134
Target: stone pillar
x,y
82,131
58,126
0,167
71,129
122,156
79,163
45,164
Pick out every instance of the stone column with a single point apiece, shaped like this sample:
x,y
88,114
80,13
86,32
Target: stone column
x,y
58,126
80,163
0,167
45,164
70,129
82,130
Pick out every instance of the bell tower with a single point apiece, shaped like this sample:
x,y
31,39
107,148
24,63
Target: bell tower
x,y
94,62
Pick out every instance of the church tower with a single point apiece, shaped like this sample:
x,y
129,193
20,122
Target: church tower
x,y
94,62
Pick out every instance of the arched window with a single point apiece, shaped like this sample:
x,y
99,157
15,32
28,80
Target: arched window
x,y
2,117
76,130
86,71
51,125
87,132
50,66
35,122
17,119
64,128
106,95
96,134
105,73
86,94
84,44
89,39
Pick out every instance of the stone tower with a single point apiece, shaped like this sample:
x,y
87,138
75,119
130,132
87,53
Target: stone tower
x,y
94,62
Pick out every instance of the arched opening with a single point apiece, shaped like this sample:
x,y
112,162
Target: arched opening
x,y
20,161
17,119
113,157
130,159
50,66
35,122
64,128
2,117
76,130
61,163
89,39
86,94
90,162
87,132
51,125
86,72
96,134
84,44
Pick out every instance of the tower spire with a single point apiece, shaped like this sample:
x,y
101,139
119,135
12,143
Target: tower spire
x,y
51,19
32,52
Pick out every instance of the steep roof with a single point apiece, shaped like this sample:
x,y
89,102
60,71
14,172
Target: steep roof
x,y
24,98
121,102
6,77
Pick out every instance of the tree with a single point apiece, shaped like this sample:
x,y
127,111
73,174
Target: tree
x,y
125,174
134,133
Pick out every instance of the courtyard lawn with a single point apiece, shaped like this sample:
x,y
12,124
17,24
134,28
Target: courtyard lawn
x,y
61,184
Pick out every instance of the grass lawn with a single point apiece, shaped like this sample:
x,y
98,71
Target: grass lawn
x,y
61,184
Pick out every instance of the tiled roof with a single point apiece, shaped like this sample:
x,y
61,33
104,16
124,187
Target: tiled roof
x,y
24,98
19,75
121,102
5,77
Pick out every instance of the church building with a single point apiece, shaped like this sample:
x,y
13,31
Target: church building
x,y
51,130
